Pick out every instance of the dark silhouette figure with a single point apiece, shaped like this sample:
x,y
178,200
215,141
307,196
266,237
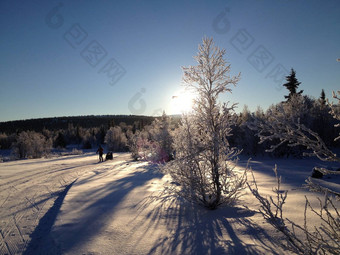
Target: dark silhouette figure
x,y
100,151
109,156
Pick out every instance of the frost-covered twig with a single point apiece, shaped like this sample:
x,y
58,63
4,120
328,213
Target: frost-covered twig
x,y
312,186
326,171
272,211
324,239
294,134
335,111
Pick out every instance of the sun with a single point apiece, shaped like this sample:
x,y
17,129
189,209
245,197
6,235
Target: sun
x,y
182,102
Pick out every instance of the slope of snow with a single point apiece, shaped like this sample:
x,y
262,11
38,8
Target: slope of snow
x,y
28,191
74,205
120,209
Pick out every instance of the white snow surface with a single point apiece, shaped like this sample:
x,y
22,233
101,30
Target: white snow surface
x,y
74,205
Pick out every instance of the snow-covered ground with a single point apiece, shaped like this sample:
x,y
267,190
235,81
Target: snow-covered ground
x,y
74,205
28,190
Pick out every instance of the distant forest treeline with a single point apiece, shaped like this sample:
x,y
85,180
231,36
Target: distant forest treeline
x,y
152,138
35,138
57,123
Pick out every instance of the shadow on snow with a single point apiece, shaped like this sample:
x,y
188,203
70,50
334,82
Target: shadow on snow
x,y
192,229
96,215
41,239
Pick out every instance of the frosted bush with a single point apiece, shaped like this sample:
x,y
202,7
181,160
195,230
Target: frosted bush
x,y
115,139
161,136
76,152
31,144
285,125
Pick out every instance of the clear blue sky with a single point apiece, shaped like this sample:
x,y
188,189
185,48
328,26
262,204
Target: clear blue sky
x,y
60,58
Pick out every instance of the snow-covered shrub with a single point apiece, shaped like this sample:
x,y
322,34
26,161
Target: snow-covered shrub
x,y
133,144
203,164
31,144
76,152
312,113
323,122
161,135
115,139
320,240
243,137
139,144
142,147
153,152
286,124
281,125
153,143
303,110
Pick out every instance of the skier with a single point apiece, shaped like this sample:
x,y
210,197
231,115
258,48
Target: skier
x,y
100,151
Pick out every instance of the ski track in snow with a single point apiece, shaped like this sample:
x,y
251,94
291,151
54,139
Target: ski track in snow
x,y
73,205
28,190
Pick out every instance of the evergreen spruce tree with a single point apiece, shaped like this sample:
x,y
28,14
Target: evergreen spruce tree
x,y
323,98
292,84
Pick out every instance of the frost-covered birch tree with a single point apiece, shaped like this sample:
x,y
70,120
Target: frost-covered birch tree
x,y
203,164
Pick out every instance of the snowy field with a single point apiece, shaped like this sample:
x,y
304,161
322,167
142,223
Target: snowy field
x,y
74,205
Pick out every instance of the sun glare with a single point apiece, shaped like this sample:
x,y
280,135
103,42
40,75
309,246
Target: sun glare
x,y
182,102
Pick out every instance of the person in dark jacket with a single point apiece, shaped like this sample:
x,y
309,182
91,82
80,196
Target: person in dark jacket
x,y
101,152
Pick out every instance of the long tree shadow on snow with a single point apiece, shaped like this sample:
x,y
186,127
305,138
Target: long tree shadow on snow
x,y
41,240
96,215
196,230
